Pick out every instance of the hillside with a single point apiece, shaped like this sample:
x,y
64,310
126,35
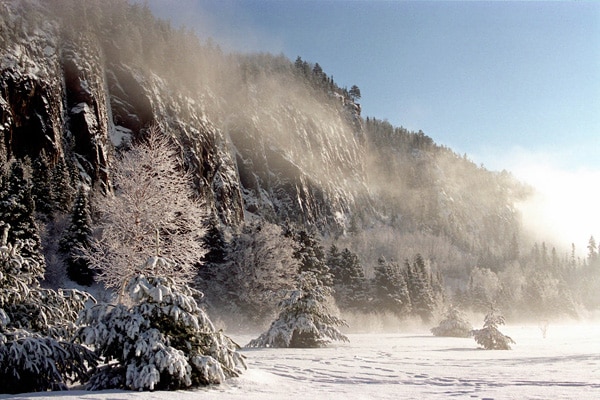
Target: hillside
x,y
266,139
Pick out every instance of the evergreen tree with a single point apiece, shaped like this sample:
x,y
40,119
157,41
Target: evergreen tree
x,y
311,256
490,338
354,93
592,250
304,319
390,288
63,190
216,252
42,188
334,262
36,326
76,238
161,340
454,324
350,284
419,280
17,209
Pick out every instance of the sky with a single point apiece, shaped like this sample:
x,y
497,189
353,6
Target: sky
x,y
514,85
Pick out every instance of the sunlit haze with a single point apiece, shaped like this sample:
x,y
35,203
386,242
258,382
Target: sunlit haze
x,y
484,78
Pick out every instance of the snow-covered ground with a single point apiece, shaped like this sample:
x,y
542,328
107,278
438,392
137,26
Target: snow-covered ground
x,y
564,365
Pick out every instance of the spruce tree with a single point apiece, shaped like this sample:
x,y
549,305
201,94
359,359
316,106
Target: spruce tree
x,y
349,281
419,285
160,339
311,256
305,320
42,188
63,190
390,289
17,209
490,338
216,253
76,238
36,326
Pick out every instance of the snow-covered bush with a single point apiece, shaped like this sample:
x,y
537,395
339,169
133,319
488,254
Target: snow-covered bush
x,y
35,327
454,324
162,340
490,338
305,319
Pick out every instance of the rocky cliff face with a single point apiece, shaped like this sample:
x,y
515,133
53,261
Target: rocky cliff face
x,y
265,150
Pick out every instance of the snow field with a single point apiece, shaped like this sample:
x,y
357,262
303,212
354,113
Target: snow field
x,y
564,365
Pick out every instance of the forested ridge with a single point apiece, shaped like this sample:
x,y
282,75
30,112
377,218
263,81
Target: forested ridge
x,y
294,195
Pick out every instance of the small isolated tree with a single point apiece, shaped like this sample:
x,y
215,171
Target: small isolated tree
x,y
454,324
152,212
354,93
36,325
490,338
305,319
162,340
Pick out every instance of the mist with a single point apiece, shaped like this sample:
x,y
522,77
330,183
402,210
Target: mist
x,y
563,208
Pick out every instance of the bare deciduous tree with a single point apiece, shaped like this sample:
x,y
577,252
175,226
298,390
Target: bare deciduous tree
x,y
153,211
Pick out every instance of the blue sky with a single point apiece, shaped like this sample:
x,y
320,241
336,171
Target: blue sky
x,y
515,85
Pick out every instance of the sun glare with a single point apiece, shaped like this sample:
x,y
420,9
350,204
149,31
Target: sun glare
x,y
565,208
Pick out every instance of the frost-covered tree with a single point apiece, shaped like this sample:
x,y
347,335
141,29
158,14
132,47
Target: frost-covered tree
x,y
36,325
454,324
484,288
260,268
78,235
489,337
153,211
305,320
161,340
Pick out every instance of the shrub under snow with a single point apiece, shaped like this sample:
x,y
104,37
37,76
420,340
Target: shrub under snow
x,y
454,324
163,340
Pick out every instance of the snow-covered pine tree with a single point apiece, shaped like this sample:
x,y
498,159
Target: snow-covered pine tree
x,y
78,235
42,189
160,340
153,211
349,281
421,292
305,320
390,289
17,209
490,338
311,256
454,324
63,188
36,325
